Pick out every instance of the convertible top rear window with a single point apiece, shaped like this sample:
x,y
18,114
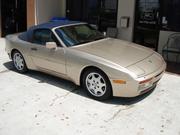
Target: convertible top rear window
x,y
23,36
78,34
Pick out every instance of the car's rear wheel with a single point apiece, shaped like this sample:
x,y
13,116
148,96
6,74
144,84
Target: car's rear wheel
x,y
19,62
97,84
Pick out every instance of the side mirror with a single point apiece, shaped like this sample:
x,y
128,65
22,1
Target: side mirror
x,y
51,45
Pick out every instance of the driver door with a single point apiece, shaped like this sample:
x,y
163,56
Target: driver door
x,y
45,59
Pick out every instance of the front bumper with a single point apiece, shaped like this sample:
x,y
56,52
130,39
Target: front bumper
x,y
143,88
134,88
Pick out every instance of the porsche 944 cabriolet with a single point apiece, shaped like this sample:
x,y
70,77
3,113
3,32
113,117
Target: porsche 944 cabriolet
x,y
77,52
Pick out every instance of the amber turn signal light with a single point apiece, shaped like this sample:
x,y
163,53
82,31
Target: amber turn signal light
x,y
119,81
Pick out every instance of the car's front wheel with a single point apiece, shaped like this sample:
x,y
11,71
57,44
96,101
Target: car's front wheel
x,y
19,62
97,84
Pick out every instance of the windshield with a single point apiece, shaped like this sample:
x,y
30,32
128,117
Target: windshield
x,y
78,34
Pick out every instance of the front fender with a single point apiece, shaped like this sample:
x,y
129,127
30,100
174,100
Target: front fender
x,y
76,61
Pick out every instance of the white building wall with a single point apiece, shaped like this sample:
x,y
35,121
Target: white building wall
x,y
126,8
46,9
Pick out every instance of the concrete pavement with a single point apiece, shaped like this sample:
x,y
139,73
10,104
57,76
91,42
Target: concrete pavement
x,y
39,104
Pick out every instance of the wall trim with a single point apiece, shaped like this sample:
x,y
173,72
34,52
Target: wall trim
x,y
31,13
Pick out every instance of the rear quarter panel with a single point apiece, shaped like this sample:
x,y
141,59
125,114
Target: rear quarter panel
x,y
14,43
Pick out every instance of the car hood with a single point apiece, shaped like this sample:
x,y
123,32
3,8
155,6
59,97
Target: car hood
x,y
120,52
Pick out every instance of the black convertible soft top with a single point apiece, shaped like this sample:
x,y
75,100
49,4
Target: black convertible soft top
x,y
27,36
53,24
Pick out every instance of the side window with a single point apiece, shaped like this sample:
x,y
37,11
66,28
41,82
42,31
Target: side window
x,y
41,36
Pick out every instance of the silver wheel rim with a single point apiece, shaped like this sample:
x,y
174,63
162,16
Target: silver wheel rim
x,y
96,84
18,61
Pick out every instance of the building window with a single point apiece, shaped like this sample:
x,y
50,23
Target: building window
x,y
170,15
148,13
146,30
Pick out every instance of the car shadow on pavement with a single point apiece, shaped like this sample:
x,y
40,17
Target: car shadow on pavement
x,y
72,88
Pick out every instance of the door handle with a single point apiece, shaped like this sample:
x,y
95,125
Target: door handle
x,y
34,49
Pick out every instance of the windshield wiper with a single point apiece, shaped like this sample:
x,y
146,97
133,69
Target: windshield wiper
x,y
90,41
84,42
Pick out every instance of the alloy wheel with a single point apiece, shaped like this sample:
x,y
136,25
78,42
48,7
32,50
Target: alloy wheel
x,y
96,84
18,61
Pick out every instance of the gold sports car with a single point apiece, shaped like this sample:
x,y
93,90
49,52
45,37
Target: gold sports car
x,y
77,52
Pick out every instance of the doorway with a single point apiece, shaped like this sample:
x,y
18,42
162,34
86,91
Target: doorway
x,y
13,16
102,13
147,23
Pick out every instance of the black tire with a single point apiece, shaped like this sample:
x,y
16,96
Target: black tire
x,y
20,68
105,91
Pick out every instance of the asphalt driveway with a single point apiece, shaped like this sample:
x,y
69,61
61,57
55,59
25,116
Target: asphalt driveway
x,y
40,104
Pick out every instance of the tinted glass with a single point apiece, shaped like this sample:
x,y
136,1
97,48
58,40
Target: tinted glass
x,y
42,36
78,34
170,15
102,13
146,31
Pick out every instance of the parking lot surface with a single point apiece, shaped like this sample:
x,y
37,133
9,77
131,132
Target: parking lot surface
x,y
39,104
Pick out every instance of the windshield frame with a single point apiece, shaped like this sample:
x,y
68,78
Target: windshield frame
x,y
76,24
